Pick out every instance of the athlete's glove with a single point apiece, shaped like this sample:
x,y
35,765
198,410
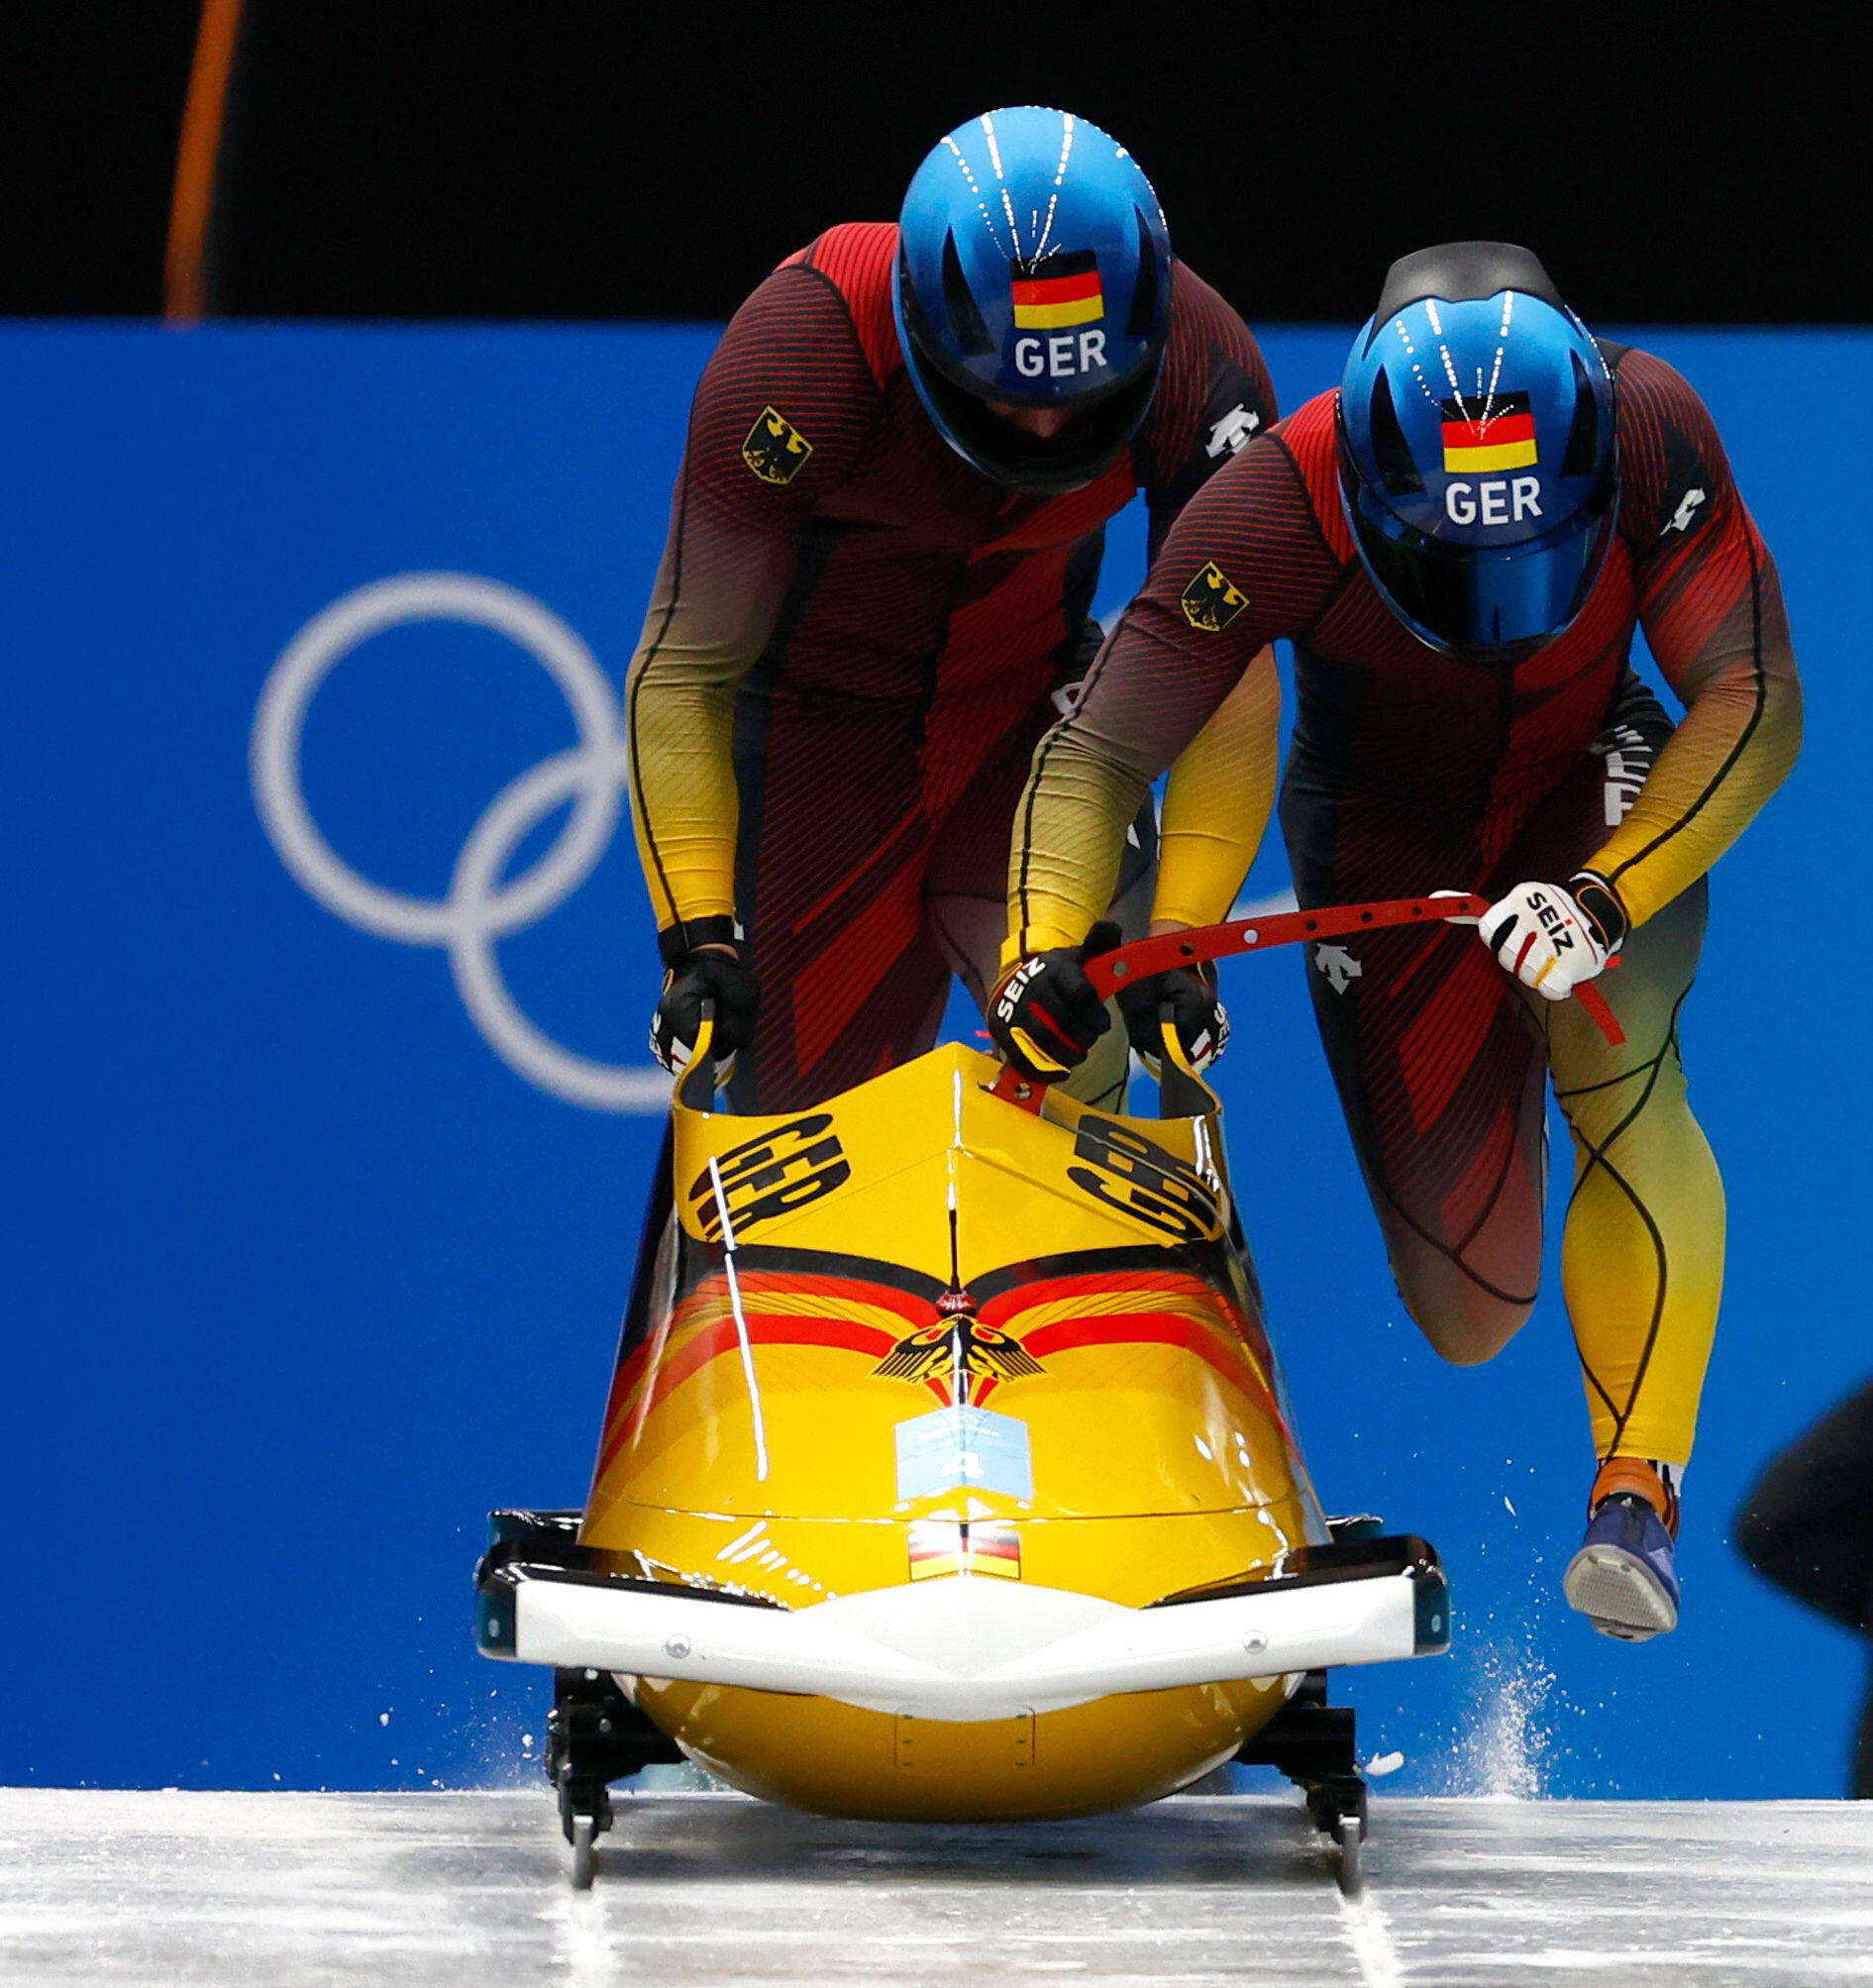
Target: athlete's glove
x,y
1043,1011
691,979
1553,938
1202,1022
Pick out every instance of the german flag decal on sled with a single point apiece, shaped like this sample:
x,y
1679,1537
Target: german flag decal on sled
x,y
940,1546
993,1549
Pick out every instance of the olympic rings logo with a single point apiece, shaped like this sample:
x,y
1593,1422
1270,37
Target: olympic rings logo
x,y
479,908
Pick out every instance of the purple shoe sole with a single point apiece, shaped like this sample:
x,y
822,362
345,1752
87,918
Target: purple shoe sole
x,y
1623,1578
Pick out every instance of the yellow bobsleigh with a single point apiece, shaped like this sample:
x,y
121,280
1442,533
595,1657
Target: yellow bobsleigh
x,y
947,1474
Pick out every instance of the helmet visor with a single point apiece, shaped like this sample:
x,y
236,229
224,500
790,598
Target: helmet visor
x,y
1464,597
1088,444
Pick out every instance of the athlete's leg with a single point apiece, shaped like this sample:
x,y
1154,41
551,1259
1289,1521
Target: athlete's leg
x,y
1439,1073
1642,1254
1441,1084
830,882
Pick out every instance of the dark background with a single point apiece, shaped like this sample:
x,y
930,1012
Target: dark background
x,y
571,159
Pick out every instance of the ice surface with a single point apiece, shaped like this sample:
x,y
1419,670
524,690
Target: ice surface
x,y
469,1889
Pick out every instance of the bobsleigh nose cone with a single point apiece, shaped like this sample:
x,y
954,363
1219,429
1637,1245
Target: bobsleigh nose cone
x,y
964,1629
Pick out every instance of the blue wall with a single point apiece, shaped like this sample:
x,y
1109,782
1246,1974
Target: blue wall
x,y
301,1275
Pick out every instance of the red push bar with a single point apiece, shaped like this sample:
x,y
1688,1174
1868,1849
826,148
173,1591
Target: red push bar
x,y
1145,957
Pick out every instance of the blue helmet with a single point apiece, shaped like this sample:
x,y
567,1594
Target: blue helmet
x,y
1478,461
1033,268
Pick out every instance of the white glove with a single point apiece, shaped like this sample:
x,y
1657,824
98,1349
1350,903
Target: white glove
x,y
1543,934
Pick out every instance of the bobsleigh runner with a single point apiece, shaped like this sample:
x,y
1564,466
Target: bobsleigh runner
x,y
946,1471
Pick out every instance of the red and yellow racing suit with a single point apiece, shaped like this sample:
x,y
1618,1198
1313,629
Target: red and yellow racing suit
x,y
1415,770
855,642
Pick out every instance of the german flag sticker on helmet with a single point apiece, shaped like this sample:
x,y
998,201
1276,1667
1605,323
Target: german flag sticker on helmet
x,y
1059,292
1213,601
775,450
1497,434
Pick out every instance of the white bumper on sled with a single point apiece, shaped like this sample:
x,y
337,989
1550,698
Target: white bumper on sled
x,y
967,1648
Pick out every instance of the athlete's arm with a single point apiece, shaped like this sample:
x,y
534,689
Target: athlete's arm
x,y
1201,626
1215,397
1711,609
1216,803
782,410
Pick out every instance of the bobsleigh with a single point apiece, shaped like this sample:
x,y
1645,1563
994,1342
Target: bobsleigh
x,y
946,1471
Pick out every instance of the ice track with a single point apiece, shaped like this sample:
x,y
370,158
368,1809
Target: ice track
x,y
273,1891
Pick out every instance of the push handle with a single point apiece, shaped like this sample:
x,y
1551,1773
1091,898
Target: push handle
x,y
1145,957
1171,949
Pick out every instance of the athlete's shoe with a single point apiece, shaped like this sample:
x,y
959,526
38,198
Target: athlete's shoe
x,y
1623,1578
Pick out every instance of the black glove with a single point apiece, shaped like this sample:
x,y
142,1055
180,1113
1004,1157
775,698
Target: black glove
x,y
1043,1013
689,980
1202,1022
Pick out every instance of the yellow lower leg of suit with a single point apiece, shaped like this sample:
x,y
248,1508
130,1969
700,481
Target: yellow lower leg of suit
x,y
1642,1255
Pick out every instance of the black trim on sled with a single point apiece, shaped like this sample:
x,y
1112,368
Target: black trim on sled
x,y
550,1535
524,1545
1347,1560
497,1596
704,1260
635,1325
751,1256
1077,1263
